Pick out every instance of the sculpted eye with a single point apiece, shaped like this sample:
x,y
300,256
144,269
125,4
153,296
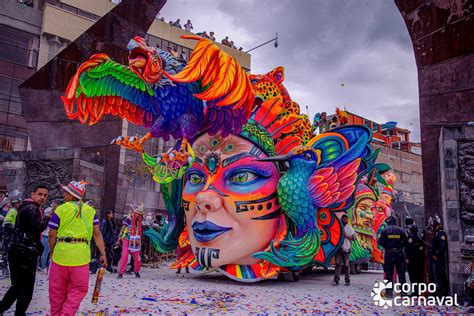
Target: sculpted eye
x,y
254,81
195,178
308,156
242,177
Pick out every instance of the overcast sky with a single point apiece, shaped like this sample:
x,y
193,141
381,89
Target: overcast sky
x,y
362,44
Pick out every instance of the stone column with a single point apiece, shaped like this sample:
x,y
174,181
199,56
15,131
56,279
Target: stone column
x,y
457,180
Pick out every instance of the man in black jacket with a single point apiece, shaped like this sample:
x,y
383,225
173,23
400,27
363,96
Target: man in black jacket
x,y
393,239
25,249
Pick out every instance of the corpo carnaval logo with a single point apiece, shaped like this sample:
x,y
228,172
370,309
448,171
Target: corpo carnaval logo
x,y
378,294
421,294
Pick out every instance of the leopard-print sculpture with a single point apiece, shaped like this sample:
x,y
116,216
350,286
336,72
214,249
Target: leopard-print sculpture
x,y
271,85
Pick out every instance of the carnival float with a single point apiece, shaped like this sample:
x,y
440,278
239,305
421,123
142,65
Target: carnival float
x,y
247,185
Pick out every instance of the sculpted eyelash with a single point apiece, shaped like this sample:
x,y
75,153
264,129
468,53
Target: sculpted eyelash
x,y
194,171
259,172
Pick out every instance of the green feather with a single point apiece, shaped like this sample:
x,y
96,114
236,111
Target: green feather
x,y
293,252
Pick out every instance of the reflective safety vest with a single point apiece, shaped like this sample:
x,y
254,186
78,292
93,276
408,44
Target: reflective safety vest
x,y
10,218
76,226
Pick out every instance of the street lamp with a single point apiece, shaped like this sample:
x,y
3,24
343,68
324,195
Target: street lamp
x,y
275,40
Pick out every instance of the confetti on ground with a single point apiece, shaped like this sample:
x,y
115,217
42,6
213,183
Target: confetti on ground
x,y
161,291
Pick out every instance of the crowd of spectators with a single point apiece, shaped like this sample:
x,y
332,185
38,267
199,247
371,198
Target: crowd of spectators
x,y
28,3
189,27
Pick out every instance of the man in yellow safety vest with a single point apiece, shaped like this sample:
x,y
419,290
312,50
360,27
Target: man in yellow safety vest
x,y
72,227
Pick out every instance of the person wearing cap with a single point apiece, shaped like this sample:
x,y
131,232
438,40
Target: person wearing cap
x,y
8,225
188,26
72,227
24,251
212,37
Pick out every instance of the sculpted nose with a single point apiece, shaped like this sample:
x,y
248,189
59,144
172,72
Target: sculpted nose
x,y
208,201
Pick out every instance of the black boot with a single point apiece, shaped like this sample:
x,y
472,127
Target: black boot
x,y
137,274
119,276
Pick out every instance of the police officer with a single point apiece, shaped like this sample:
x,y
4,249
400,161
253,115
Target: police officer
x,y
437,258
393,239
8,225
414,253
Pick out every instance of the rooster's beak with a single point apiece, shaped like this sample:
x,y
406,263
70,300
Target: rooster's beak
x,y
132,44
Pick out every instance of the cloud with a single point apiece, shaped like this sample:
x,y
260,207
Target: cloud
x,y
363,44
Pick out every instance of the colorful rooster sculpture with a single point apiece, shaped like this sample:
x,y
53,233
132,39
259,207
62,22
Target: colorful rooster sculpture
x,y
159,92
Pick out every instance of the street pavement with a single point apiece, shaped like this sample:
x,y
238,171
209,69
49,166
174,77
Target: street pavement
x,y
161,291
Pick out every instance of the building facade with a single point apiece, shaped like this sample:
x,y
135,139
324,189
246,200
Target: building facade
x,y
33,34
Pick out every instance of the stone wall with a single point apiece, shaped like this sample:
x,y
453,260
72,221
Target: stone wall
x,y
95,176
52,168
443,45
457,179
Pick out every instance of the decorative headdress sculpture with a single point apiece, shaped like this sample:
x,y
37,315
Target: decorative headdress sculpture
x,y
258,194
361,217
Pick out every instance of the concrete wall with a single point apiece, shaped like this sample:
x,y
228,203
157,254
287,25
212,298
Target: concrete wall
x,y
62,23
20,16
98,7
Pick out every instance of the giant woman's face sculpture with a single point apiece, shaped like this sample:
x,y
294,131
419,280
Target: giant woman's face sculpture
x,y
230,201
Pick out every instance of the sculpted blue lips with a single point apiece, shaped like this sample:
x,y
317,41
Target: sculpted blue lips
x,y
207,231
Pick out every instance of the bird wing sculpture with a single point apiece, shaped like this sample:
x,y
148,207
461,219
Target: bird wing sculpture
x,y
211,93
331,236
322,174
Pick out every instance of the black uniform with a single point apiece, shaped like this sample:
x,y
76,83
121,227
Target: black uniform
x,y
414,252
437,258
25,249
394,240
7,235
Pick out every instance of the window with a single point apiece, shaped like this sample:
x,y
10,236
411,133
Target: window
x,y
18,46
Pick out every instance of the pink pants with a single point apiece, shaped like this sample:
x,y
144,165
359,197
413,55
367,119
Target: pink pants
x,y
124,258
67,288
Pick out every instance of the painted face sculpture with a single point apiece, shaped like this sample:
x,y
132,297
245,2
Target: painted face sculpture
x,y
361,218
230,201
382,211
